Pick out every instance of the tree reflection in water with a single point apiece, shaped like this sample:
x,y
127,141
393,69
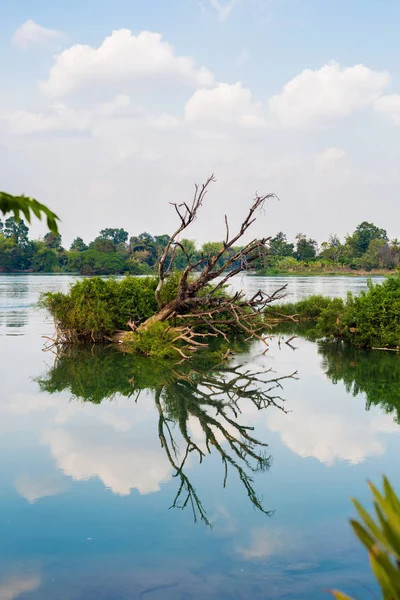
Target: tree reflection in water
x,y
370,372
212,393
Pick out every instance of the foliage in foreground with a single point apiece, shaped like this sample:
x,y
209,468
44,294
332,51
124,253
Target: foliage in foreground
x,y
381,537
369,320
27,206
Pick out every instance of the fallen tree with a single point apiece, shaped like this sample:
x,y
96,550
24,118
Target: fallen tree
x,y
197,304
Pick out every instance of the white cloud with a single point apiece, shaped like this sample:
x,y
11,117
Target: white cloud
x,y
59,117
389,106
315,98
329,158
224,104
223,9
32,34
122,58
164,122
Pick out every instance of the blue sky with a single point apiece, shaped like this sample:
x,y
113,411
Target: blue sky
x,y
297,97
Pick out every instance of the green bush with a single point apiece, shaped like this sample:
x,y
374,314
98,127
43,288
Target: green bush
x,y
370,320
156,342
309,308
98,307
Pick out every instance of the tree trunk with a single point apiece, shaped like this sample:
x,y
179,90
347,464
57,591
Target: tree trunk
x,y
162,315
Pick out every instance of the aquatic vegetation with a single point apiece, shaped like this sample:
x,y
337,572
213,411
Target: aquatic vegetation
x,y
191,304
95,308
368,320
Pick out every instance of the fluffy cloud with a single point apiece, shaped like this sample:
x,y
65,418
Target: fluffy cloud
x,y
33,34
315,98
389,106
226,104
61,118
58,117
122,58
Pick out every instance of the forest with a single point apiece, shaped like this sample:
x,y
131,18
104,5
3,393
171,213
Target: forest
x,y
115,252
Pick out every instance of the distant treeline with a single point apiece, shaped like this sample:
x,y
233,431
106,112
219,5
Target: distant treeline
x,y
114,252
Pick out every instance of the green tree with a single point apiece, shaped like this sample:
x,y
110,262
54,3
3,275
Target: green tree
x,y
117,236
44,259
279,246
144,248
17,230
101,244
52,240
78,245
332,249
186,250
357,243
306,249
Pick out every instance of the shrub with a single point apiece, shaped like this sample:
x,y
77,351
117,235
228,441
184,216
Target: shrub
x,y
309,308
370,320
156,342
95,308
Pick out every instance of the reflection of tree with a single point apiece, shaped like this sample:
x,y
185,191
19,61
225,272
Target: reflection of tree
x,y
375,374
214,395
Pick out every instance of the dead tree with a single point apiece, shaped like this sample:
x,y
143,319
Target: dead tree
x,y
199,302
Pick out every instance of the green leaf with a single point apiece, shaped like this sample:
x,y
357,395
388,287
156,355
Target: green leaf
x,y
18,204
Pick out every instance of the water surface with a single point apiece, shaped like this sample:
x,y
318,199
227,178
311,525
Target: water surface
x,y
96,444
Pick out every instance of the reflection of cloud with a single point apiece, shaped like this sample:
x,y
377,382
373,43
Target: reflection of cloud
x,y
23,403
263,543
385,423
110,418
16,585
34,488
121,462
328,435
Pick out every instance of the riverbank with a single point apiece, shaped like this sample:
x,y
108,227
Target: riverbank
x,y
327,273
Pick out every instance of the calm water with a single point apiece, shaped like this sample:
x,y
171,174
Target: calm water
x,y
97,446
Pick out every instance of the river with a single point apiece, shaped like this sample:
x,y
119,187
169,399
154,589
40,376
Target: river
x,y
102,492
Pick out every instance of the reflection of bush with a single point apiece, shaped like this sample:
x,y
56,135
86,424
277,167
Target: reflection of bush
x,y
93,374
211,392
375,374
